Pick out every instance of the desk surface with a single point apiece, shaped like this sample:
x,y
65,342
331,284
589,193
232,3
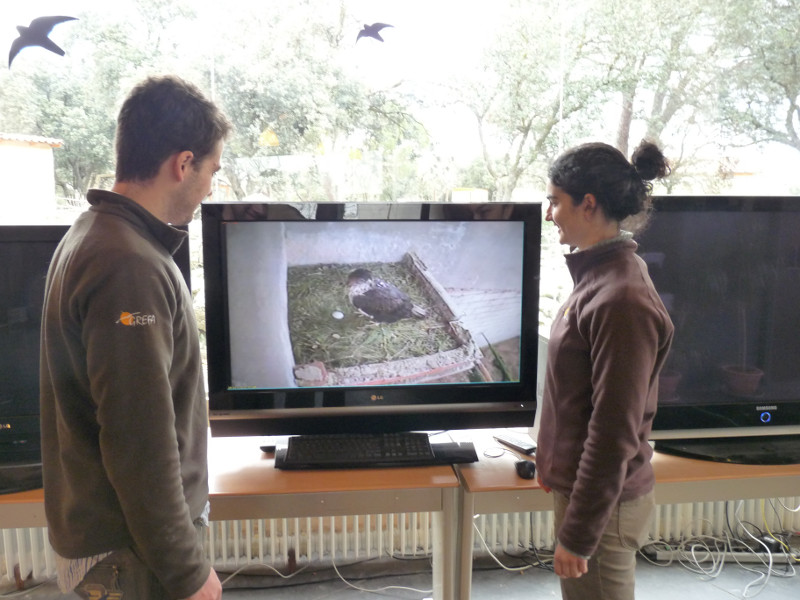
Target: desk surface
x,y
243,483
238,467
494,471
497,474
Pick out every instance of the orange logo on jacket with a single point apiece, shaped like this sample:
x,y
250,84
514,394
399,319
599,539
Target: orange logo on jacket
x,y
135,319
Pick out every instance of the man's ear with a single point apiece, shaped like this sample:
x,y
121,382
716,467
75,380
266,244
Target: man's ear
x,y
180,163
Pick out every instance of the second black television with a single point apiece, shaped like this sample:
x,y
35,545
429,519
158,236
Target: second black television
x,y
292,349
728,270
25,254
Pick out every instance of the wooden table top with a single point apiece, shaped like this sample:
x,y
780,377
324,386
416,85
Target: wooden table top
x,y
237,466
497,473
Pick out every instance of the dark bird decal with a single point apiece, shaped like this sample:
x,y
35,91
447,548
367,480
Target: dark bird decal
x,y
36,34
372,31
379,299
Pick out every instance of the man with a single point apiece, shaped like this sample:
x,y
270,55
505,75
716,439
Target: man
x,y
123,409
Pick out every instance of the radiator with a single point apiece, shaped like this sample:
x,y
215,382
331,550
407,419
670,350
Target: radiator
x,y
234,544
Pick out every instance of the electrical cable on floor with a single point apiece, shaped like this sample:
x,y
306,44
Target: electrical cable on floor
x,y
337,577
655,544
377,590
784,545
497,560
270,567
545,564
695,552
764,577
398,557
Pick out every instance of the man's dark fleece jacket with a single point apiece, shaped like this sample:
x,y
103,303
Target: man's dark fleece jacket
x,y
607,345
123,411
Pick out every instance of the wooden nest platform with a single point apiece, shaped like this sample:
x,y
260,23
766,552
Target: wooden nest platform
x,y
335,345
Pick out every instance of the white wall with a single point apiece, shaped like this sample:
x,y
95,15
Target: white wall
x,y
27,182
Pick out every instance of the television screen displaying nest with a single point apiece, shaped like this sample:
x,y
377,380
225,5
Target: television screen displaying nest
x,y
379,323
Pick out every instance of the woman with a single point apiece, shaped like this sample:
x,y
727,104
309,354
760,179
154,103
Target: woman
x,y
607,345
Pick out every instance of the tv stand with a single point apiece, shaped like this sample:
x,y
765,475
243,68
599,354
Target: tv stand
x,y
756,450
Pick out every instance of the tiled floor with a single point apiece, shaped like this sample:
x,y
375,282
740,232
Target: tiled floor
x,y
489,583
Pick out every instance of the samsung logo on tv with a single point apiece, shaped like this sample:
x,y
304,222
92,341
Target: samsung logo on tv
x,y
773,407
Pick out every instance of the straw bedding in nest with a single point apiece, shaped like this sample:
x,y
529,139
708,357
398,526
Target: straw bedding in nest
x,y
316,292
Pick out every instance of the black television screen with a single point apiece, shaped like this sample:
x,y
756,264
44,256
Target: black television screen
x,y
728,270
369,325
25,253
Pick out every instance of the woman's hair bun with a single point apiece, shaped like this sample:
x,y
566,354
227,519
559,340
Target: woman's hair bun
x,y
649,161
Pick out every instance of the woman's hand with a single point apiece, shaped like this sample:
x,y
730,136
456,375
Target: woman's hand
x,y
567,565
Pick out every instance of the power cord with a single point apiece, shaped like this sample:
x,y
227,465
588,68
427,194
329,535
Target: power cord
x,y
270,567
694,553
377,590
545,563
338,575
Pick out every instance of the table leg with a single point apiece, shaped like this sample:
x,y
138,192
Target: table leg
x,y
445,541
466,539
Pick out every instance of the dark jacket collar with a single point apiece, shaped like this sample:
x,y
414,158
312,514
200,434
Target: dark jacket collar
x,y
581,262
111,202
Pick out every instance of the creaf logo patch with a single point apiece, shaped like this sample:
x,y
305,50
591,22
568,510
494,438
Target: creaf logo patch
x,y
135,319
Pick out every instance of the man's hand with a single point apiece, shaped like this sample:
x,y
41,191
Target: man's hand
x,y
567,565
211,590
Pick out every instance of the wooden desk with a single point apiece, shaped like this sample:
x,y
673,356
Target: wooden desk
x,y
689,480
23,509
492,486
244,484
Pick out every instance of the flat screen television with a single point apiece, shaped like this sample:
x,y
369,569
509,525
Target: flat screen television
x,y
728,270
25,253
291,348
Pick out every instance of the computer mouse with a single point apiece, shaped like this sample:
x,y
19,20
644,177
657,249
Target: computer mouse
x,y
525,469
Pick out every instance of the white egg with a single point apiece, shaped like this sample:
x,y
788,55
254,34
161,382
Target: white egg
x,y
337,314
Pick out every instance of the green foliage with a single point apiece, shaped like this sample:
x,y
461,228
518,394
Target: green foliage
x,y
760,100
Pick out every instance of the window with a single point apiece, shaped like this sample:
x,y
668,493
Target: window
x,y
462,99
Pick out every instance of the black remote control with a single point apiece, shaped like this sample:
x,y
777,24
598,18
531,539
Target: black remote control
x,y
517,442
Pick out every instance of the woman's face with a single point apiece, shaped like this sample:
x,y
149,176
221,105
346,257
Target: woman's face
x,y
566,216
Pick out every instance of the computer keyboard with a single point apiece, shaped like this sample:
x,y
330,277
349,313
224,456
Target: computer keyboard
x,y
347,451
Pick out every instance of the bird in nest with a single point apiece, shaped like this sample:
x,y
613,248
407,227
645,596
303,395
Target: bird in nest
x,y
36,34
380,300
372,31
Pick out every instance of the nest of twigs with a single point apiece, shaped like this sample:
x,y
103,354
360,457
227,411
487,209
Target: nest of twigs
x,y
316,292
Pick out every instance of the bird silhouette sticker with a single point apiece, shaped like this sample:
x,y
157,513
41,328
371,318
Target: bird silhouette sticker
x,y
36,34
372,31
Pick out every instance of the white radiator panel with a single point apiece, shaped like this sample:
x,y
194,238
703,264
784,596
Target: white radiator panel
x,y
233,544
279,542
676,521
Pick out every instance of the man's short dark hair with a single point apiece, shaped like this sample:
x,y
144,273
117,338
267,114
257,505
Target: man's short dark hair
x,y
162,116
